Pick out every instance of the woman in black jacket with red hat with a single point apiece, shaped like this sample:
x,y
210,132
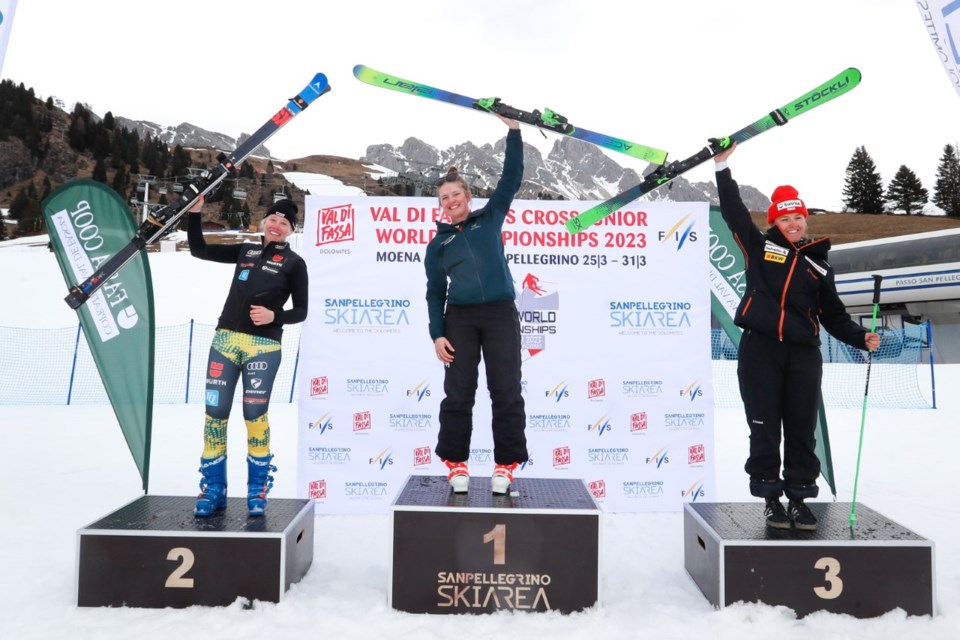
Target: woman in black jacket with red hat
x,y
790,294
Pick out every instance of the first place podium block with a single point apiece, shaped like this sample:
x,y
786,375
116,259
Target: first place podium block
x,y
154,552
535,549
864,571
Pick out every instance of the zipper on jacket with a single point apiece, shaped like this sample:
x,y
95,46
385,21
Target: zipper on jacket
x,y
783,296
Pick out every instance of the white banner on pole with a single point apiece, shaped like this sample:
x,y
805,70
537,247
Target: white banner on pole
x,y
7,9
616,336
942,21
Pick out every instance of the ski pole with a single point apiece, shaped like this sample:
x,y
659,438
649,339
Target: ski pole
x,y
866,391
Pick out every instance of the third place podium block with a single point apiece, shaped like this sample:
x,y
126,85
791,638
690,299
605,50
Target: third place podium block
x,y
535,549
865,570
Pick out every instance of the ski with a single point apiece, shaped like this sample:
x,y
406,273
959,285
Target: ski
x,y
835,87
546,119
158,223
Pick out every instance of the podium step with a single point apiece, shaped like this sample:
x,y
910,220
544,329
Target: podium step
x,y
534,549
153,552
867,570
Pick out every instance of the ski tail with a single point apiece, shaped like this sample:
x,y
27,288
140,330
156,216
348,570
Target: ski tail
x,y
837,86
157,224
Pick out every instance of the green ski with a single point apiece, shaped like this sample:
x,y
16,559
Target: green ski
x,y
835,87
547,119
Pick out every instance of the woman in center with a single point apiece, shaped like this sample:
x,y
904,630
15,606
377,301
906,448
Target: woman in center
x,y
471,302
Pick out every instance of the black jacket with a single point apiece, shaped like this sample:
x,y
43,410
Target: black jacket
x,y
790,288
265,276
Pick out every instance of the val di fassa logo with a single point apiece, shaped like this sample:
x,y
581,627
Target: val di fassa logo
x,y
83,247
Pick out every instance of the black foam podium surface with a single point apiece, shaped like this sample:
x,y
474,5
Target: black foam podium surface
x,y
524,493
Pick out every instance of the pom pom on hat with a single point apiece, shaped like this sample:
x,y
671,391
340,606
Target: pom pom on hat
x,y
784,200
285,209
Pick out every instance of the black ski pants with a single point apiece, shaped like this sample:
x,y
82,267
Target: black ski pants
x,y
490,330
780,388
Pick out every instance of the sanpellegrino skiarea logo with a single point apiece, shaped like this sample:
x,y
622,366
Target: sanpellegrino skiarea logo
x,y
335,224
366,315
538,307
650,317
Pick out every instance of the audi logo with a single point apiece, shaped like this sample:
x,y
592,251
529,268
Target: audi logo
x,y
257,366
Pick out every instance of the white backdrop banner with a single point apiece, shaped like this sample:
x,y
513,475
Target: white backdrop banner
x,y
941,18
616,349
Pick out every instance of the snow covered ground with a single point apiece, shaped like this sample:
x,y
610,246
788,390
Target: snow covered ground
x,y
69,466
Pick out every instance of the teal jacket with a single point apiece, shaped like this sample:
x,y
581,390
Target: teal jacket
x,y
465,263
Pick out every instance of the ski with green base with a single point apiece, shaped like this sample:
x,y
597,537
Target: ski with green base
x,y
546,119
834,88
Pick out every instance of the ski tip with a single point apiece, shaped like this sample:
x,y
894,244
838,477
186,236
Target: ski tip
x,y
358,69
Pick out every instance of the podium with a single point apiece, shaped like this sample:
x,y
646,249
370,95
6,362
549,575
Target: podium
x,y
534,549
153,552
866,571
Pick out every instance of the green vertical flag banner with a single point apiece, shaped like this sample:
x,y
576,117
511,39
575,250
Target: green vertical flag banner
x,y
88,223
728,281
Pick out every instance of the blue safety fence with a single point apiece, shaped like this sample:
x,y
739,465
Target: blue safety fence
x,y
54,366
894,376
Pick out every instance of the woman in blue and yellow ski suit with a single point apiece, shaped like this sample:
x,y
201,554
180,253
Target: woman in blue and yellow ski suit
x,y
247,345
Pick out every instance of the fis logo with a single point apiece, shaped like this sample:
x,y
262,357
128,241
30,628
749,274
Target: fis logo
x,y
659,458
420,391
694,492
382,459
680,233
559,392
601,426
323,424
693,392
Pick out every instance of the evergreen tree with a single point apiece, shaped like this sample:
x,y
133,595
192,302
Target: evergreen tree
x,y
946,191
100,171
863,188
905,192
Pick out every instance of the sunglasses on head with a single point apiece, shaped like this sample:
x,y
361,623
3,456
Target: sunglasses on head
x,y
450,177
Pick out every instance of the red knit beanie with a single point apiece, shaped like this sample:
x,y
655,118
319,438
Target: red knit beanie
x,y
784,200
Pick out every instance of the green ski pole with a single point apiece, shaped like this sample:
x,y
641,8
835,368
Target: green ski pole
x,y
866,391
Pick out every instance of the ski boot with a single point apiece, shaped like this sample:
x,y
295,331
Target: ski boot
x,y
259,483
502,477
459,476
213,486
